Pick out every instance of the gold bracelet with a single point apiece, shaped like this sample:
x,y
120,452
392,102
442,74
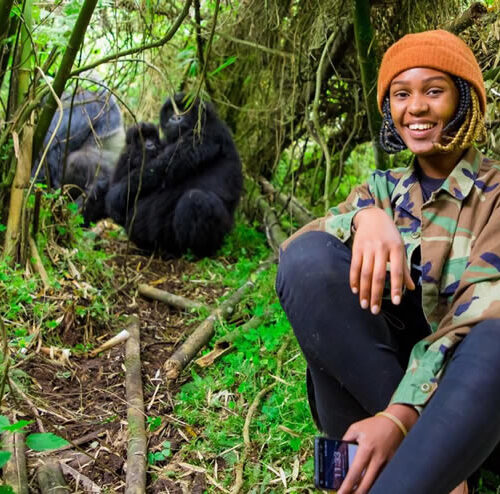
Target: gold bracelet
x,y
398,422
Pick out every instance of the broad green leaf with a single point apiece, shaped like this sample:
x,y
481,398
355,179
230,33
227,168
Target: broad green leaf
x,y
45,441
6,489
4,458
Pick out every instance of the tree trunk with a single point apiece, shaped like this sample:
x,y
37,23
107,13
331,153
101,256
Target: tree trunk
x,y
365,46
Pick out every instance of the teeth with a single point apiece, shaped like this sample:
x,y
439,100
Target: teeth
x,y
421,126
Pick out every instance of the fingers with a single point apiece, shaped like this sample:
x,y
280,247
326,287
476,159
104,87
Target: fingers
x,y
356,468
365,282
355,271
370,475
378,282
397,274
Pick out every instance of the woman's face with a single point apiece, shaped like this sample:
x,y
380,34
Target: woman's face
x,y
422,102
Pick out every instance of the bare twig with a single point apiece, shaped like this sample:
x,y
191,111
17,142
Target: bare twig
x,y
88,485
177,301
116,340
248,419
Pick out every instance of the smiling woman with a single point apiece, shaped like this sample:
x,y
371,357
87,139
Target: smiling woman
x,y
419,247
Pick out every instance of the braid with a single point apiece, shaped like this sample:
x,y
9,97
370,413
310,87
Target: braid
x,y
390,140
472,129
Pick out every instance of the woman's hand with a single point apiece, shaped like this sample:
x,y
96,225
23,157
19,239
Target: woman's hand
x,y
378,439
377,241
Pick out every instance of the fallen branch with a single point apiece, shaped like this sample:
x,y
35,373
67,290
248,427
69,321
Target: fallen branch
x,y
50,478
14,471
137,445
204,332
225,344
88,485
177,301
296,210
115,340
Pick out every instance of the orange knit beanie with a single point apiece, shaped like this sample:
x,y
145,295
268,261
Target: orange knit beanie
x,y
438,50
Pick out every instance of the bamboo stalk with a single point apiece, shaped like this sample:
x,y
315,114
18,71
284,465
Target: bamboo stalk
x,y
177,301
204,332
137,445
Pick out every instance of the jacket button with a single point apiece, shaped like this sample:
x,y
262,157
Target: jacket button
x,y
415,235
425,387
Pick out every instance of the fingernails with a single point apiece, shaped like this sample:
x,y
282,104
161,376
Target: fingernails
x,y
354,289
396,299
364,304
375,309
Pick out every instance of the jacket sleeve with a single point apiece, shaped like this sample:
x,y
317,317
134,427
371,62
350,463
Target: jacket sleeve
x,y
338,220
476,299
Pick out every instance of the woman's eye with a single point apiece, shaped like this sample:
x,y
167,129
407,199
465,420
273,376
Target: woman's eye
x,y
435,91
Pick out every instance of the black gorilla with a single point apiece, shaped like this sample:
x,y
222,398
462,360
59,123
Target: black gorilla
x,y
187,186
85,148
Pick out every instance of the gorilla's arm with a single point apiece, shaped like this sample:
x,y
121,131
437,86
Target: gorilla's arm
x,y
186,157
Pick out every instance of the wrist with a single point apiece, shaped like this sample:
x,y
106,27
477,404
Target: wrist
x,y
407,414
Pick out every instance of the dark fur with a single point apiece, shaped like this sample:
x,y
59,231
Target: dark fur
x,y
189,190
86,155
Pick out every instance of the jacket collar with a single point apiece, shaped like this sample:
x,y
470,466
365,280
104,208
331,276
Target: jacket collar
x,y
407,194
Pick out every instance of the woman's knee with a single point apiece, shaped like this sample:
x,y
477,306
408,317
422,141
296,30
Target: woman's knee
x,y
312,254
480,350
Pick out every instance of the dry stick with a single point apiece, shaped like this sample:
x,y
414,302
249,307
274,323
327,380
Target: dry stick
x,y
115,340
14,471
88,485
136,450
168,298
297,210
246,427
50,478
204,332
16,390
37,264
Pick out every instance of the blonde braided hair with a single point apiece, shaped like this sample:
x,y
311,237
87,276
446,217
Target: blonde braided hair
x,y
472,130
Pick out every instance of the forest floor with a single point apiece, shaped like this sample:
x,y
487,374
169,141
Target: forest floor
x,y
85,400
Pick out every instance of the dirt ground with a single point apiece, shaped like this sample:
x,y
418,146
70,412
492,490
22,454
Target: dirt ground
x,y
85,401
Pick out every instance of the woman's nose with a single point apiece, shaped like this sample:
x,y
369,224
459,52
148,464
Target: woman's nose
x,y
417,104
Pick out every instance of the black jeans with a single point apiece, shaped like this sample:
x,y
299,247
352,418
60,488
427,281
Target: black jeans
x,y
356,360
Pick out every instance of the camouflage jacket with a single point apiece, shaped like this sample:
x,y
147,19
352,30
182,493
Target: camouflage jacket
x,y
458,231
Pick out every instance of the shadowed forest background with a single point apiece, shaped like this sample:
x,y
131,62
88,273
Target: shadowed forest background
x,y
295,81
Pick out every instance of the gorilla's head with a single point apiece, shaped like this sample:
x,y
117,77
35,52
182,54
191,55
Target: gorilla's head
x,y
144,134
176,122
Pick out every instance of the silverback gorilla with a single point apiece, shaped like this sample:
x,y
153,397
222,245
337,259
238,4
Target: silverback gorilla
x,y
85,148
180,193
